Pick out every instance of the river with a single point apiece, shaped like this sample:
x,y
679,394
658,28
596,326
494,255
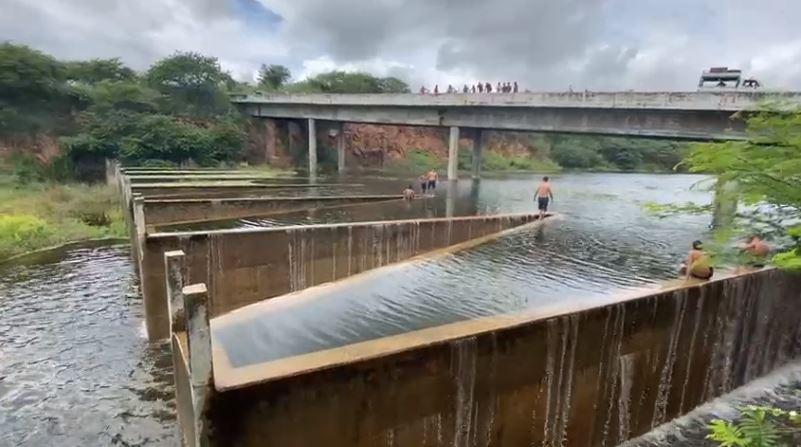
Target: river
x,y
75,368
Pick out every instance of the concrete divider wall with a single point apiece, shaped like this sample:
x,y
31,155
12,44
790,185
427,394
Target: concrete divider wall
x,y
241,267
212,189
171,211
587,377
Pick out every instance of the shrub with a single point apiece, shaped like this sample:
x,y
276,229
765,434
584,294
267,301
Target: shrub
x,y
758,426
21,232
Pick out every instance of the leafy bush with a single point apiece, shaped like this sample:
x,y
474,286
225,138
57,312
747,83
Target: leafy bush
x,y
348,82
577,157
493,161
21,231
416,161
758,426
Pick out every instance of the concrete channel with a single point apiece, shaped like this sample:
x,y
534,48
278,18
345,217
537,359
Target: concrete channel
x,y
578,373
594,374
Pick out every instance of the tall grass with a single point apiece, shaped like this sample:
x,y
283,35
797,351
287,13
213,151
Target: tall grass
x,y
38,215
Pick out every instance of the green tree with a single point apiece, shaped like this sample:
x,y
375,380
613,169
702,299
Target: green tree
x,y
98,70
766,168
33,94
348,82
392,85
192,84
107,96
273,76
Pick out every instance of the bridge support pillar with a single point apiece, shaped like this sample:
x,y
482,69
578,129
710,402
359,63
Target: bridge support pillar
x,y
341,147
453,154
478,153
312,147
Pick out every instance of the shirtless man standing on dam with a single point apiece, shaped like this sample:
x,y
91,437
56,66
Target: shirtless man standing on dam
x,y
544,195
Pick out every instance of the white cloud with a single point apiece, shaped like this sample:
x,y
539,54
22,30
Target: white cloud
x,y
543,44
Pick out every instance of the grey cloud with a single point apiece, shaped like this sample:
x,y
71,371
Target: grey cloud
x,y
544,44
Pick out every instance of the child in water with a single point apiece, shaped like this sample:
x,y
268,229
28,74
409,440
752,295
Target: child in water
x,y
423,183
408,193
698,264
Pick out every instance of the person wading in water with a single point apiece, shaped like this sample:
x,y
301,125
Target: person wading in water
x,y
756,252
432,180
698,264
543,196
408,193
423,179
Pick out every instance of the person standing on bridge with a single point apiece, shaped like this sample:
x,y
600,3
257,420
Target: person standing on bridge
x,y
514,89
544,195
480,87
488,87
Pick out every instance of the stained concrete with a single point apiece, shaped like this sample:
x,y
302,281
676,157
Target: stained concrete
x,y
722,100
209,177
675,115
244,266
223,189
590,376
174,211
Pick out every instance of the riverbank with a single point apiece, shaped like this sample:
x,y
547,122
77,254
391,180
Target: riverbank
x,y
36,216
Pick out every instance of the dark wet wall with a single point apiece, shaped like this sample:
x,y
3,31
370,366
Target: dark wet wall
x,y
590,378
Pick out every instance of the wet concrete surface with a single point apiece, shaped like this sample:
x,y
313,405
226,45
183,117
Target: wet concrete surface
x,y
76,369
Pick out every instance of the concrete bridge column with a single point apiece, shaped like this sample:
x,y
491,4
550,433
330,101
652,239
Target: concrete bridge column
x,y
312,147
453,154
478,153
341,147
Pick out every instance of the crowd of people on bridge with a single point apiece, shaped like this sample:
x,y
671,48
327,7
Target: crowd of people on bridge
x,y
479,87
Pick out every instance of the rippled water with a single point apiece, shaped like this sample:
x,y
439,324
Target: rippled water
x,y
603,242
75,368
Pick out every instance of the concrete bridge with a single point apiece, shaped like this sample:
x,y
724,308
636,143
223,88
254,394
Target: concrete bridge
x,y
675,115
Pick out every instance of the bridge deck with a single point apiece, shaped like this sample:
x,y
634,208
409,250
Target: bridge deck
x,y
722,101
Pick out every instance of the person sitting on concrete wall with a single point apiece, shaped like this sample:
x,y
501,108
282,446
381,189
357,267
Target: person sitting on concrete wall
x,y
698,264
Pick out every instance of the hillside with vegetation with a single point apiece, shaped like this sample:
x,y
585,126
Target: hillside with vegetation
x,y
60,120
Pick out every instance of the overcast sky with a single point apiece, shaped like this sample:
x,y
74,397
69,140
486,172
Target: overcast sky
x,y
543,44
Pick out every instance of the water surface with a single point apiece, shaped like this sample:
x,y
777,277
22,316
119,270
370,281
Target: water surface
x,y
602,242
75,368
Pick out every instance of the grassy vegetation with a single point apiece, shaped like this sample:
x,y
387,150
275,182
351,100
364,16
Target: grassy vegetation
x,y
494,161
39,215
416,161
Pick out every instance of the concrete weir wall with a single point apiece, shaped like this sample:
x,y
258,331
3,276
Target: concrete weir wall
x,y
583,376
241,267
171,211
214,189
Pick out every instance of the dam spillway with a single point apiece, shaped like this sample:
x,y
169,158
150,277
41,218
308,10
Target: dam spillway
x,y
496,283
584,375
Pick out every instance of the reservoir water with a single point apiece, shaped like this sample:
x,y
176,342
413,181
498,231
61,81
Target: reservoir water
x,y
75,368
